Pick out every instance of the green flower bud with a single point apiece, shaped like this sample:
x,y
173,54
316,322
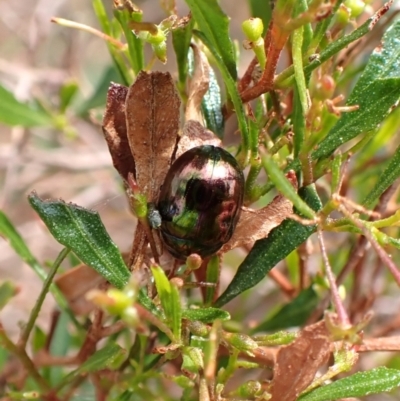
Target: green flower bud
x,y
198,328
130,316
249,389
119,301
156,39
253,28
242,342
161,51
343,15
356,7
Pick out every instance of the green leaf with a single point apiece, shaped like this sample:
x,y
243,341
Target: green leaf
x,y
376,92
125,396
181,38
148,303
61,343
7,291
107,26
170,301
212,276
211,107
215,26
38,339
267,252
233,93
135,45
205,315
285,187
82,231
8,231
14,112
67,93
102,359
293,314
360,384
387,178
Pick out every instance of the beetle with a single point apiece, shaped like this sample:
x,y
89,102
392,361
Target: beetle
x,y
200,201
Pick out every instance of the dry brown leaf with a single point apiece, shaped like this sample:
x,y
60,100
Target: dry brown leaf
x,y
298,362
256,224
75,283
115,131
198,86
152,117
194,134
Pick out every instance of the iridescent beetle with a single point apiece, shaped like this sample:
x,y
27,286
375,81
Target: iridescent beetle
x,y
200,201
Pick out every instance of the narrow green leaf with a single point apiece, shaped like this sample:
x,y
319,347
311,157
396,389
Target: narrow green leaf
x,y
322,26
170,301
299,124
387,178
82,231
61,343
38,339
360,384
135,45
285,187
211,107
286,77
8,232
234,95
376,92
14,112
125,396
293,314
7,291
297,54
102,359
148,303
116,55
67,93
101,14
205,315
181,38
267,252
215,26
212,276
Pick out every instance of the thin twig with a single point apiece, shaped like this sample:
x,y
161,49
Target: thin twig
x,y
385,258
25,360
39,302
76,25
340,310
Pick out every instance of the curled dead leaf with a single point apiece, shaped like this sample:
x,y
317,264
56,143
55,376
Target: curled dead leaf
x,y
194,134
256,224
115,130
298,362
198,85
152,119
75,283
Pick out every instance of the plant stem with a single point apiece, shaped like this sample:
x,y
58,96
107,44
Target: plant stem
x,y
39,302
340,310
285,78
21,354
89,29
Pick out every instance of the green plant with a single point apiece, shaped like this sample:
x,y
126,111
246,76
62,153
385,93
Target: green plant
x,y
332,163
